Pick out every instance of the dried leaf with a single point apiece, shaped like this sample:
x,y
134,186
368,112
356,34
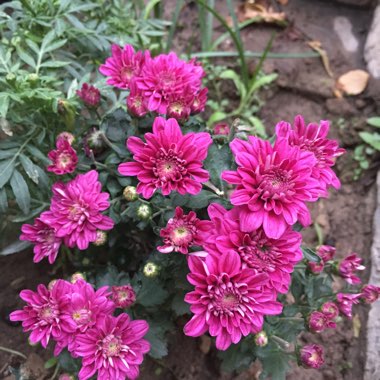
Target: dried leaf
x,y
317,46
353,82
249,10
356,324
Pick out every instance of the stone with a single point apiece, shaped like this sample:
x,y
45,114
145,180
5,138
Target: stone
x,y
372,366
343,28
372,45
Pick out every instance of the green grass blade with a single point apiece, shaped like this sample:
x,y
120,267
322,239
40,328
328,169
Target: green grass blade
x,y
173,26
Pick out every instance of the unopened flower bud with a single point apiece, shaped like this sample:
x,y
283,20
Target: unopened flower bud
x,y
130,193
326,252
317,322
315,268
101,238
370,293
330,310
89,94
150,269
69,137
66,376
33,78
312,356
144,212
261,339
10,78
94,142
77,276
123,296
222,129
51,284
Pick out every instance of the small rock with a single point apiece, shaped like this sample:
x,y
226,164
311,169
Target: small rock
x,y
34,367
343,28
372,46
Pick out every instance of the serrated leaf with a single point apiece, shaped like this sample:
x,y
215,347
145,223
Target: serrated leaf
x,y
6,171
179,306
21,191
151,293
218,160
372,139
28,59
159,346
15,247
4,104
29,167
201,200
231,74
275,362
54,46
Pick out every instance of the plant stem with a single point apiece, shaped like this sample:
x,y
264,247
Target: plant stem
x,y
212,187
281,342
57,367
10,351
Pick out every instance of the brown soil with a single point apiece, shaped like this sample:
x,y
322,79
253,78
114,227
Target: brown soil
x,y
346,217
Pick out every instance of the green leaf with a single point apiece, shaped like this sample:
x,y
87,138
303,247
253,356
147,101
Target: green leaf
x,y
3,201
179,306
54,64
258,126
68,363
52,362
372,139
157,340
201,200
6,171
21,191
374,121
275,362
29,167
237,357
28,59
15,247
4,104
218,159
216,116
310,255
54,46
151,293
231,74
7,153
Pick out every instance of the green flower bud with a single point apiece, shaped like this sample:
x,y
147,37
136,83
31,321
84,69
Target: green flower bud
x,y
144,212
130,194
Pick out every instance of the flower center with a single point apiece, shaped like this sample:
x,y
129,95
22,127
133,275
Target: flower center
x,y
77,213
82,316
181,236
47,313
64,160
276,184
111,345
126,74
169,167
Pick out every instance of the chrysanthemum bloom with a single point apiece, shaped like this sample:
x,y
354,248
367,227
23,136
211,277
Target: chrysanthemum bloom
x,y
228,301
64,158
330,310
312,138
86,306
184,231
318,322
66,136
261,254
179,108
199,102
165,77
46,243
222,129
89,94
123,296
113,348
76,210
123,65
168,160
43,313
312,355
273,184
348,266
326,252
370,293
136,101
345,301
315,268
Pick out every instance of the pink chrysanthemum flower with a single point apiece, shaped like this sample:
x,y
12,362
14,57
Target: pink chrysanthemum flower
x,y
89,94
348,266
114,348
326,252
273,184
312,355
64,158
312,138
43,313
86,306
222,129
76,210
319,321
123,65
168,160
199,102
261,254
135,101
124,296
184,231
345,301
370,293
316,268
165,77
66,136
330,310
228,301
179,107
46,243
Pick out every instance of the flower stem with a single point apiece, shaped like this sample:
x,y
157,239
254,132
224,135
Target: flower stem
x,y
9,350
281,342
212,187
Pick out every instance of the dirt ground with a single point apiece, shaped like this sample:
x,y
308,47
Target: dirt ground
x,y
303,87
